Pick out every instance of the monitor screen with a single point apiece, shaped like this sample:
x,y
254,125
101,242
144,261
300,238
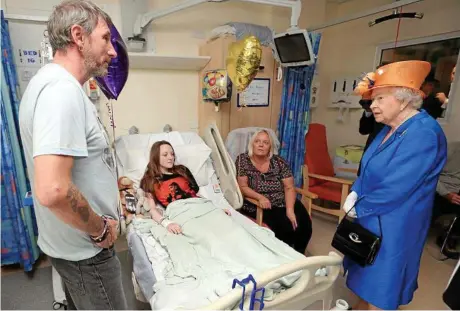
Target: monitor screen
x,y
292,48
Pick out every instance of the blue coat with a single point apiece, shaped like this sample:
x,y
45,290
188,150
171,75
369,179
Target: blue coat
x,y
398,183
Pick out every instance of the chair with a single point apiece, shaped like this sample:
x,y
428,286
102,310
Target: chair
x,y
238,140
318,172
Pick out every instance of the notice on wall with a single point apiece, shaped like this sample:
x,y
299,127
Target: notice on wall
x,y
257,94
26,41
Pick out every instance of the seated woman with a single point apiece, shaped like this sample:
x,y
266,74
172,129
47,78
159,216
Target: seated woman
x,y
207,247
266,177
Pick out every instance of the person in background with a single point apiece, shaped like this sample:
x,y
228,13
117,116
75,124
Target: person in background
x,y
441,96
393,196
447,198
69,160
266,177
368,125
431,104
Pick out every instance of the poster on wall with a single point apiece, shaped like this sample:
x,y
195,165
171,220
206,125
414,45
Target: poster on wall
x,y
257,94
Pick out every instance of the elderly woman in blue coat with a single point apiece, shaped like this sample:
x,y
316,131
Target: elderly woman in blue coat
x,y
397,184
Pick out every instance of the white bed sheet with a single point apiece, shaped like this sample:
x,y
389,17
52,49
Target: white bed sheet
x,y
156,253
132,158
158,257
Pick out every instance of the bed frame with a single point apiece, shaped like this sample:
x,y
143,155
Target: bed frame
x,y
307,290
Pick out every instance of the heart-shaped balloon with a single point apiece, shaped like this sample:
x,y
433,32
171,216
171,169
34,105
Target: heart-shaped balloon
x,y
243,61
112,84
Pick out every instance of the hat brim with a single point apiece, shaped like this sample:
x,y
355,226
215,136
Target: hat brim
x,y
368,93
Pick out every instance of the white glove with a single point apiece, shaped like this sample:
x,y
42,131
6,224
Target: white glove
x,y
350,203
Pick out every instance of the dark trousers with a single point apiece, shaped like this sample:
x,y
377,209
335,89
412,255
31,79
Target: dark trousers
x,y
94,283
278,222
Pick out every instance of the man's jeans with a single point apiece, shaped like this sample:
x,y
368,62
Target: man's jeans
x,y
94,283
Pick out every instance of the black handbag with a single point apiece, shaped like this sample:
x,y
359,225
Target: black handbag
x,y
356,242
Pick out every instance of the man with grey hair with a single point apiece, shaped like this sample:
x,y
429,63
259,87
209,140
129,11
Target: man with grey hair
x,y
69,160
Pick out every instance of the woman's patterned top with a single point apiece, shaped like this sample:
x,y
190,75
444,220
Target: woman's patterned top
x,y
269,184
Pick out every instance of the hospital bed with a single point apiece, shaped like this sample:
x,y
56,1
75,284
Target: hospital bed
x,y
215,173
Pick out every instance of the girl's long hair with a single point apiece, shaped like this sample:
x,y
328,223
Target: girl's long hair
x,y
153,173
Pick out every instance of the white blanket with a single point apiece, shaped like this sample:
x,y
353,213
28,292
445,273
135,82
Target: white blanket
x,y
212,251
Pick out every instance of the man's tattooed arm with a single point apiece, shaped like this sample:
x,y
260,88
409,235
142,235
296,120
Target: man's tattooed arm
x,y
55,190
76,212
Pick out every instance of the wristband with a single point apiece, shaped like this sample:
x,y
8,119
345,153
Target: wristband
x,y
165,222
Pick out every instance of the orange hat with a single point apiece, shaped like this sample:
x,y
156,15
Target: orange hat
x,y
409,74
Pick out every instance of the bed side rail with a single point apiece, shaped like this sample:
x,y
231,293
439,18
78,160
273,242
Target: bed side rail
x,y
315,285
224,166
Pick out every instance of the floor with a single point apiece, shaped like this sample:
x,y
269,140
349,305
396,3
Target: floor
x,y
433,275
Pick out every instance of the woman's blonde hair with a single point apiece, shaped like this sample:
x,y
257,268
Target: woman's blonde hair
x,y
253,138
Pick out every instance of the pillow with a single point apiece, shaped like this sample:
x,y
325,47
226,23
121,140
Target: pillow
x,y
133,165
195,158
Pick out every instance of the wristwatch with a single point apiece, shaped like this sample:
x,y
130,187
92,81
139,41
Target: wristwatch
x,y
105,231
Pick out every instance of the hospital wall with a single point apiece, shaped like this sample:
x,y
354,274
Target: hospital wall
x,y
152,98
349,49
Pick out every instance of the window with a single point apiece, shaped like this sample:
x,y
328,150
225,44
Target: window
x,y
442,51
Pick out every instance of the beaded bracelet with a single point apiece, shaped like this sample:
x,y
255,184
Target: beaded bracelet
x,y
103,235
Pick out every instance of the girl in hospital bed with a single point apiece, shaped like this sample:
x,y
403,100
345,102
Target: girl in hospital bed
x,y
165,182
208,247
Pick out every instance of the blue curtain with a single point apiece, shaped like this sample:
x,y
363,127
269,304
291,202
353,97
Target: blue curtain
x,y
19,230
295,116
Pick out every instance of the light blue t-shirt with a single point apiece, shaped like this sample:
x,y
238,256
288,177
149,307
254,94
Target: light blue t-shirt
x,y
56,117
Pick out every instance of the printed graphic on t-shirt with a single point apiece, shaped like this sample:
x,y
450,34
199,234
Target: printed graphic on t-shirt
x,y
173,189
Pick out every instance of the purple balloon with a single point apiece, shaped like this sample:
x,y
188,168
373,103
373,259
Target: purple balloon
x,y
112,84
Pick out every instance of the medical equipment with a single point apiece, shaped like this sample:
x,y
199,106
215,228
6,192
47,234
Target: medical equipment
x,y
397,13
217,180
293,48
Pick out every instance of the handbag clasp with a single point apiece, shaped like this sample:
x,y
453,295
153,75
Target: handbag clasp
x,y
354,237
